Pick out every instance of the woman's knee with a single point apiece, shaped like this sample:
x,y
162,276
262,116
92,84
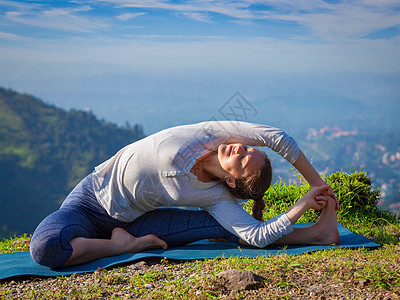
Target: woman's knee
x,y
50,245
48,250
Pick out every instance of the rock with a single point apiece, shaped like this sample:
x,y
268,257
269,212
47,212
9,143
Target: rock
x,y
240,280
143,266
363,282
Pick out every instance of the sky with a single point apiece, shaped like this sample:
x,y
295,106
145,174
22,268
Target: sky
x,y
165,63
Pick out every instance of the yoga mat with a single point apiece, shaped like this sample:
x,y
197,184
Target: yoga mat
x,y
21,263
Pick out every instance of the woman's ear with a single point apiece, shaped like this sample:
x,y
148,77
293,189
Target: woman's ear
x,y
230,181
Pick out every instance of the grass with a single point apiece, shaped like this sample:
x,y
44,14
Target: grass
x,y
331,274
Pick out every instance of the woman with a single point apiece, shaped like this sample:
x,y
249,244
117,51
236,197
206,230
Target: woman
x,y
116,209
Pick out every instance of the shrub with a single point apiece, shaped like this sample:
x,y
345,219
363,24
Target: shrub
x,y
357,198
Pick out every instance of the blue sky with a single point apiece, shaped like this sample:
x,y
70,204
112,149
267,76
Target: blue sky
x,y
162,63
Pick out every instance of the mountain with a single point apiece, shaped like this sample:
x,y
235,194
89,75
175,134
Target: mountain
x,y
44,152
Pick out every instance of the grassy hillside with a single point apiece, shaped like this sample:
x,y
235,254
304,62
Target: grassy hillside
x,y
44,152
331,274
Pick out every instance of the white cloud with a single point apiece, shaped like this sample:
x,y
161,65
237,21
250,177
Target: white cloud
x,y
234,9
130,16
331,22
19,5
340,21
343,21
65,19
13,37
200,17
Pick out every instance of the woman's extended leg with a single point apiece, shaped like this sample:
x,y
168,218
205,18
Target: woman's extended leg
x,y
179,226
323,232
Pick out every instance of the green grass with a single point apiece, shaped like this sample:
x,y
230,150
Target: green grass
x,y
330,274
16,244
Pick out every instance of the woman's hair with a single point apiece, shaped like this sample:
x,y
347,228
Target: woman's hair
x,y
254,186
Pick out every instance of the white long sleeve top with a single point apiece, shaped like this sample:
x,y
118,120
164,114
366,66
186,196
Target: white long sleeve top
x,y
155,171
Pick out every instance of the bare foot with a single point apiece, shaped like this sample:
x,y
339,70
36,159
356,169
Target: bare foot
x,y
127,243
326,232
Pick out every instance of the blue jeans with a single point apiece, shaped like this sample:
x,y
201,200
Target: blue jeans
x,y
81,215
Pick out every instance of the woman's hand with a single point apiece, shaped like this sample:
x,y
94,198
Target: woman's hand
x,y
329,192
317,197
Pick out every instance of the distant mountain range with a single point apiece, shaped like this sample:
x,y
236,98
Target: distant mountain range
x,y
44,152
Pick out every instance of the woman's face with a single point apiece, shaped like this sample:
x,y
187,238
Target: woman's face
x,y
239,160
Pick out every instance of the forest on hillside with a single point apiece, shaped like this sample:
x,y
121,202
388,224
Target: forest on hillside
x,y
44,152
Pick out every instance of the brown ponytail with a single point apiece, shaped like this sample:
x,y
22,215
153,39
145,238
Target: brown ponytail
x,y
257,210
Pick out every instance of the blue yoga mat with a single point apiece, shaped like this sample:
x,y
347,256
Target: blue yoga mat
x,y
21,263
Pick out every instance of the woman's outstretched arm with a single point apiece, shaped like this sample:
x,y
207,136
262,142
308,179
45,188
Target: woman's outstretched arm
x,y
311,175
313,199
260,234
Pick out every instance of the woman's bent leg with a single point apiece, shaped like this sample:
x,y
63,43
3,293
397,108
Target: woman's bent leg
x,y
66,237
89,249
82,231
179,226
80,216
50,242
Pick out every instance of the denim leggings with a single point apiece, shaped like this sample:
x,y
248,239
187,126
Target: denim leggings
x,y
81,215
